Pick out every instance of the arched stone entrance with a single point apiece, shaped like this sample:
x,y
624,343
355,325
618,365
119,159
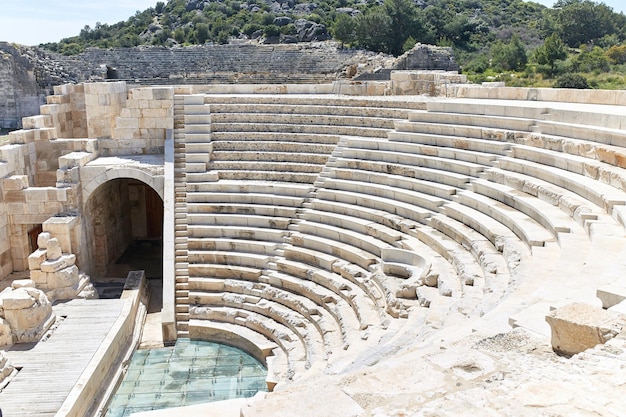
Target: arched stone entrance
x,y
117,214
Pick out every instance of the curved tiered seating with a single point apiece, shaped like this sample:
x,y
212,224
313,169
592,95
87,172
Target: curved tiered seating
x,y
301,210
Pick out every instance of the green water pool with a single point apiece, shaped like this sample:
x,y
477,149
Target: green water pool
x,y
191,372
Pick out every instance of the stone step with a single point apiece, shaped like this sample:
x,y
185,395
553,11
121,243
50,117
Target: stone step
x,y
332,247
549,216
598,193
267,158
393,181
414,198
262,187
246,209
407,171
301,120
247,198
450,141
237,232
338,233
229,258
371,110
433,162
212,219
300,128
394,207
463,123
527,229
288,137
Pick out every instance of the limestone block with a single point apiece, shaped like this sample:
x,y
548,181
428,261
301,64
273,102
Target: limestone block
x,y
39,277
6,335
23,283
577,327
58,264
17,300
15,182
67,277
611,295
32,318
36,258
53,249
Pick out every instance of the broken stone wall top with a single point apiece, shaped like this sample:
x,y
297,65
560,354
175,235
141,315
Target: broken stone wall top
x,y
427,57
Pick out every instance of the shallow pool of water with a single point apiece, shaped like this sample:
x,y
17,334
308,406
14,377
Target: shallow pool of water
x,y
191,372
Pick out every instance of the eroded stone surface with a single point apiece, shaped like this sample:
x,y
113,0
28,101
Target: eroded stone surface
x,y
577,327
28,312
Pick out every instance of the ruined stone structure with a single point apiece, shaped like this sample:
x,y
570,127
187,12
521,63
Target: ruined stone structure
x,y
384,252
27,75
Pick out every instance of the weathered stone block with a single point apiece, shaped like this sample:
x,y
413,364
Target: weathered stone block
x,y
36,258
23,283
53,249
54,265
6,336
577,327
17,300
16,182
39,277
67,277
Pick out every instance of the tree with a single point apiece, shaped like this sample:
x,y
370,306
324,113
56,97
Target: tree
x,y
201,33
372,30
509,56
552,50
343,28
461,28
404,23
591,59
583,21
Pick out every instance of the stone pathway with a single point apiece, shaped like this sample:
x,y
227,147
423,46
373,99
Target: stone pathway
x,y
50,369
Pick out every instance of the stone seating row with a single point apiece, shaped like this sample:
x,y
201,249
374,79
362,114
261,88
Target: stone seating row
x,y
602,116
576,144
278,333
303,108
327,312
300,328
316,298
228,236
356,103
551,166
221,133
326,119
326,324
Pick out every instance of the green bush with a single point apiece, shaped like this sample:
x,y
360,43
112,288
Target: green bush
x,y
571,81
271,31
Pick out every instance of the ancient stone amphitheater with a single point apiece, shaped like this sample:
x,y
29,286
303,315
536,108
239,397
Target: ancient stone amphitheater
x,y
384,252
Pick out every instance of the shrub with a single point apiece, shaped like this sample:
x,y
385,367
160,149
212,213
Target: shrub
x,y
617,54
571,81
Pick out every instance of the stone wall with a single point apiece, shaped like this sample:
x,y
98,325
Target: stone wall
x,y
427,57
247,63
107,215
20,95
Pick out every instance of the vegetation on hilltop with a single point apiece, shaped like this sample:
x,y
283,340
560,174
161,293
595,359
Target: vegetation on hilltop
x,y
522,43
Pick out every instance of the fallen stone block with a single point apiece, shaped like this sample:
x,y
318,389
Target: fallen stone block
x,y
577,327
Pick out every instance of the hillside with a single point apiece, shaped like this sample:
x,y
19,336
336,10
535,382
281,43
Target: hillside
x,y
579,43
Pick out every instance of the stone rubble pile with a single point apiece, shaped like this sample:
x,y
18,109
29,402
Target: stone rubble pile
x,y
56,273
